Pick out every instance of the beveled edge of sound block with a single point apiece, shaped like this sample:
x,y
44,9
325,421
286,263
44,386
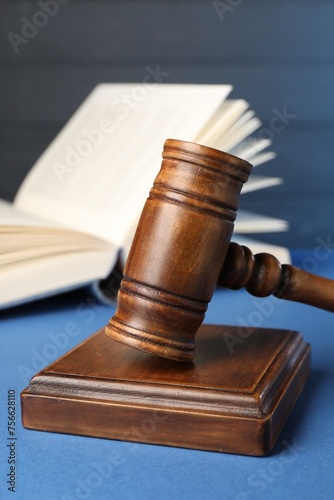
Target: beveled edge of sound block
x,y
233,402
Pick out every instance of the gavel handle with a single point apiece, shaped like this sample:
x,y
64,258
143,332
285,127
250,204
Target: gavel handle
x,y
263,275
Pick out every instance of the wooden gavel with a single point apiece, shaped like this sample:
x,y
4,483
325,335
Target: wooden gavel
x,y
181,251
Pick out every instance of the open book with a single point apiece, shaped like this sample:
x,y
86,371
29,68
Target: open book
x,y
76,211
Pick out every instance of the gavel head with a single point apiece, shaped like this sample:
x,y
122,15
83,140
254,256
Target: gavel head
x,y
178,250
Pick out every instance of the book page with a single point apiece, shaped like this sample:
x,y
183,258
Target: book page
x,y
222,120
248,222
251,147
41,277
38,259
11,216
239,131
97,173
256,182
23,243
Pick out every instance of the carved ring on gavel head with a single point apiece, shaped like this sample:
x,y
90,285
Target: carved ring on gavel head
x,y
182,249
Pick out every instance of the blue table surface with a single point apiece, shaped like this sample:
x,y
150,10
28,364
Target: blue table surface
x,y
58,466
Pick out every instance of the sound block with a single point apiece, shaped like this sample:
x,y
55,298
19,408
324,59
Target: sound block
x,y
234,398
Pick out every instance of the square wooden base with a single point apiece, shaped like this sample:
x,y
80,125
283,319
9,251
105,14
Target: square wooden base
x,y
234,398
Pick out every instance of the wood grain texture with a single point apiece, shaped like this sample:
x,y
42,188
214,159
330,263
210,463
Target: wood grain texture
x,y
263,275
178,249
227,400
181,251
